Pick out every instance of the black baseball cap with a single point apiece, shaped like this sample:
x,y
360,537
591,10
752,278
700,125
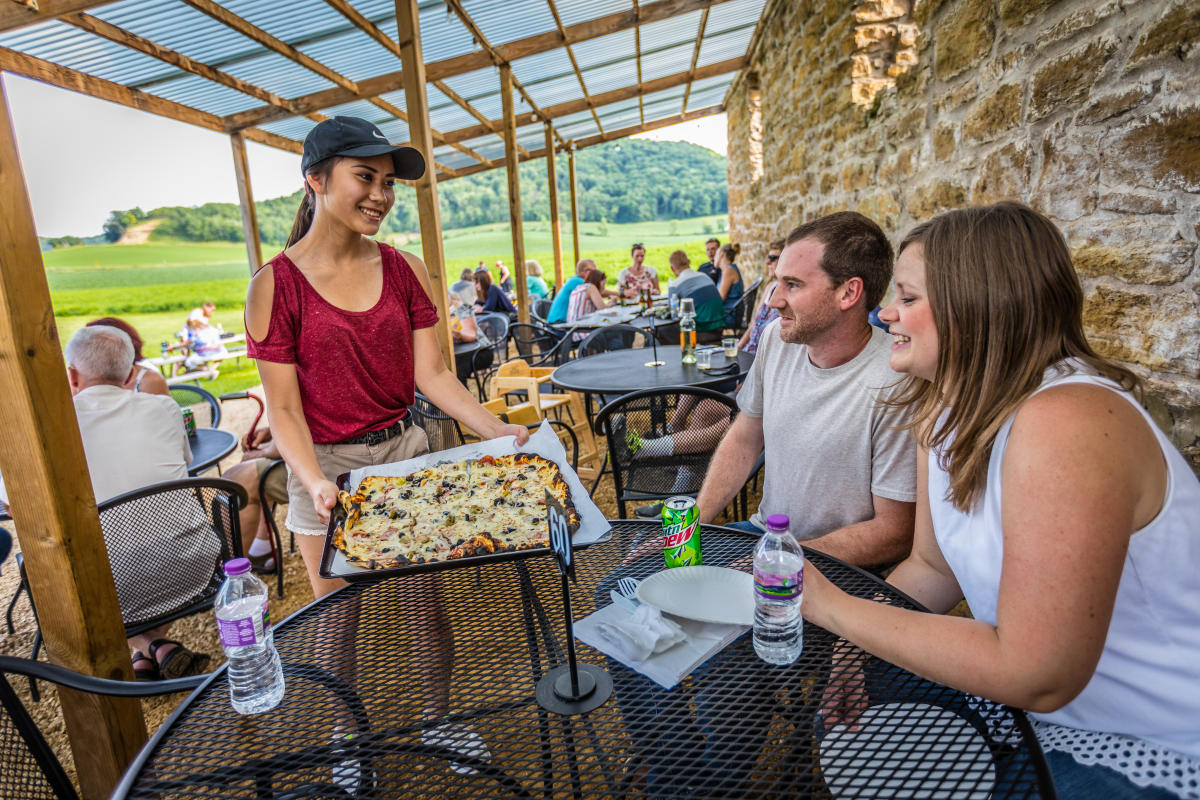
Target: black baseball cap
x,y
351,136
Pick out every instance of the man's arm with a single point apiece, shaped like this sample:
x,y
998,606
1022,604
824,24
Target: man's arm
x,y
884,539
730,466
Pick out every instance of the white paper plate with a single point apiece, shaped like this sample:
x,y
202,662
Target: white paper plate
x,y
709,594
908,751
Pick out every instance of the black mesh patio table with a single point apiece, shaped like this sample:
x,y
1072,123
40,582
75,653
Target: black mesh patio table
x,y
353,663
622,371
209,446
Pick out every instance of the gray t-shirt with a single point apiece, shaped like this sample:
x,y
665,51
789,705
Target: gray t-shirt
x,y
829,445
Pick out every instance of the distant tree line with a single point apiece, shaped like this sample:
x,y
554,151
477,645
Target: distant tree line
x,y
632,180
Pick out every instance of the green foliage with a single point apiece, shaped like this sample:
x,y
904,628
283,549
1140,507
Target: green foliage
x,y
619,183
119,221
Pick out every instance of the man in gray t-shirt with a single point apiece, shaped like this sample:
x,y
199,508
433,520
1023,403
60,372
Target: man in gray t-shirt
x,y
835,462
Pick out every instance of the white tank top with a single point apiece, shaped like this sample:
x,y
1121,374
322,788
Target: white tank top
x,y
1147,683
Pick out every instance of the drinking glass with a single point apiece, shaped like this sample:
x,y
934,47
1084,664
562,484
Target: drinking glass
x,y
704,359
687,306
730,345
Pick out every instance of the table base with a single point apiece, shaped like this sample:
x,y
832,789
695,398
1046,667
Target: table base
x,y
654,364
554,690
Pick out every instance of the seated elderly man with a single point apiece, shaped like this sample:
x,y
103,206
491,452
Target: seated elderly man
x,y
131,440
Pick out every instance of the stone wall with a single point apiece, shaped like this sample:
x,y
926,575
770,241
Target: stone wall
x,y
1088,110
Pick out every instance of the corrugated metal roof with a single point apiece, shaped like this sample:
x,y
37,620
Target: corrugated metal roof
x,y
315,28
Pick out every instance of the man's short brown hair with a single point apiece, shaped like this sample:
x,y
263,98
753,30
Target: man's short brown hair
x,y
855,247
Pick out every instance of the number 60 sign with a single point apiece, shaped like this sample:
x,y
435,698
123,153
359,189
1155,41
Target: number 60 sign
x,y
560,535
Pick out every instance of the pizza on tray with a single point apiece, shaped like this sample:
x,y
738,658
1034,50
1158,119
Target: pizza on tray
x,y
466,508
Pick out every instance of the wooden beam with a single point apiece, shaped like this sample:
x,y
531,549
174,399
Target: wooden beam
x,y
241,169
273,140
408,35
131,40
695,57
574,203
637,50
575,65
473,111
67,78
555,229
50,494
18,15
569,107
478,59
514,191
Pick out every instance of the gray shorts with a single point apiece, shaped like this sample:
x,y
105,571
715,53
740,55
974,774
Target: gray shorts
x,y
337,459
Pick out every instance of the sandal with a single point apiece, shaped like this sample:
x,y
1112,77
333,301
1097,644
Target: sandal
x,y
180,662
150,673
264,564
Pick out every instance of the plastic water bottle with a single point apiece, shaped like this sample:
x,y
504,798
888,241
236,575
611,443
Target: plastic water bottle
x,y
687,330
778,593
255,674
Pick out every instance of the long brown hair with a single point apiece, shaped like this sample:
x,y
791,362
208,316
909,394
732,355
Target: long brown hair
x,y
308,206
1007,305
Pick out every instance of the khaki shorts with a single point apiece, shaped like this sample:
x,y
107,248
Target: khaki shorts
x,y
276,486
338,459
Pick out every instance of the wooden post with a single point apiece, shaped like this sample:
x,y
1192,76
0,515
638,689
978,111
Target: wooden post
x,y
574,204
514,192
50,493
555,228
241,168
408,35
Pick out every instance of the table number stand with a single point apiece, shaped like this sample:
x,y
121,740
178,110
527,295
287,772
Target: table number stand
x,y
571,688
653,341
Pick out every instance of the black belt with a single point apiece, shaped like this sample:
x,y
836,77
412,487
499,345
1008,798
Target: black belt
x,y
383,434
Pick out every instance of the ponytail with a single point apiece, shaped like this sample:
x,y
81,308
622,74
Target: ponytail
x,y
731,250
308,206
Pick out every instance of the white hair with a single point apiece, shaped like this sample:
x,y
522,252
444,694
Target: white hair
x,y
533,268
101,353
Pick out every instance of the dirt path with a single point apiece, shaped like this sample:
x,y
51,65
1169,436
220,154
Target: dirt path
x,y
140,233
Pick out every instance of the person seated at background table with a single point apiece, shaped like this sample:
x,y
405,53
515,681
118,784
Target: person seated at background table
x,y
144,377
489,299
638,276
534,281
464,287
730,286
586,298
1050,501
259,452
204,342
131,440
709,269
836,463
558,307
464,328
710,313
764,313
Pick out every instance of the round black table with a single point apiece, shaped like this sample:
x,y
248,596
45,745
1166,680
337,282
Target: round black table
x,y
622,371
353,662
209,446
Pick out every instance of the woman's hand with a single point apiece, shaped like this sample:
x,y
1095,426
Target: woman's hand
x,y
324,495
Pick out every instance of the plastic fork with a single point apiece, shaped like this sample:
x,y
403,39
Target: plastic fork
x,y
628,587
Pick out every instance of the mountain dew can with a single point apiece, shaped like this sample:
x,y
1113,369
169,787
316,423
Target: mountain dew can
x,y
681,532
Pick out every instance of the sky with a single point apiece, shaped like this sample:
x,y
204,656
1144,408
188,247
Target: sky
x,y
84,157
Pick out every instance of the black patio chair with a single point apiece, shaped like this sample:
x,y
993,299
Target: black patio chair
x,y
495,327
268,506
540,345
205,407
443,431
613,337
145,530
28,767
703,417
743,309
539,308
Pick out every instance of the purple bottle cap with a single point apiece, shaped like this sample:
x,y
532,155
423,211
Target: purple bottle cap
x,y
778,523
237,566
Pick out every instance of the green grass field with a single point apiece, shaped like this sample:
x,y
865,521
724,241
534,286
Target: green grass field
x,y
153,286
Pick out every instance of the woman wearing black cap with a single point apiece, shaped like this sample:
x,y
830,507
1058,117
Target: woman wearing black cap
x,y
342,330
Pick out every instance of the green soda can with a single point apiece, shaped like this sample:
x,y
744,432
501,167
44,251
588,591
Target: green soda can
x,y
681,532
189,422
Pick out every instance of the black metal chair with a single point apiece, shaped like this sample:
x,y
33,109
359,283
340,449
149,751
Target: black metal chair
x,y
145,532
539,308
443,431
28,767
495,327
268,506
205,407
613,337
743,309
701,417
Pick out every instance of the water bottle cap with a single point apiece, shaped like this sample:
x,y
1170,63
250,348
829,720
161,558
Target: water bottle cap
x,y
237,566
778,522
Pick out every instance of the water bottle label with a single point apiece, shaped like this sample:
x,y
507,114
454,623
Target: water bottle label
x,y
778,587
244,631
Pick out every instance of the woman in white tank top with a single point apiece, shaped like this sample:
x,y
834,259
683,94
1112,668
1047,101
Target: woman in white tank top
x,y
1047,499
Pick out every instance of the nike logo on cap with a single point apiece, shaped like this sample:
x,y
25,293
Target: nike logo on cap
x,y
378,135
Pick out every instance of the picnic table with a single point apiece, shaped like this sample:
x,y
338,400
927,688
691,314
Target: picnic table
x,y
353,663
166,364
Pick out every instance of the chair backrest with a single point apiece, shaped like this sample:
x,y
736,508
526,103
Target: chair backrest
x,y
744,308
495,327
167,544
205,407
540,345
28,767
694,418
539,308
443,431
613,337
